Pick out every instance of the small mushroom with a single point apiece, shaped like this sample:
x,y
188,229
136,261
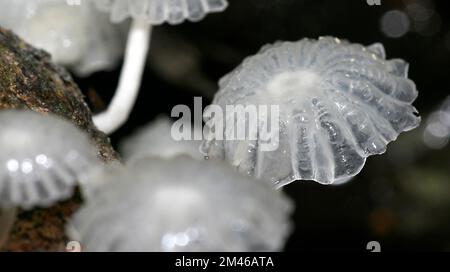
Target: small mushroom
x,y
182,204
156,12
155,140
145,13
78,37
338,102
41,161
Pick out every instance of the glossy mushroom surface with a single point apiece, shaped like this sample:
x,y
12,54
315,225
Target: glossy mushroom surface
x,y
338,102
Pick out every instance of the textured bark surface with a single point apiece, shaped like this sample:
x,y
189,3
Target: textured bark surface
x,y
28,79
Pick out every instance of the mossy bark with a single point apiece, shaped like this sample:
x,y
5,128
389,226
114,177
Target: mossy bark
x,y
28,79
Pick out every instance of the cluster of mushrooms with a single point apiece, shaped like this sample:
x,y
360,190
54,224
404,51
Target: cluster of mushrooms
x,y
339,103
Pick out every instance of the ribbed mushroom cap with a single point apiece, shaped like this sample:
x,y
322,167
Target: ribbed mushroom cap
x,y
42,158
338,104
156,12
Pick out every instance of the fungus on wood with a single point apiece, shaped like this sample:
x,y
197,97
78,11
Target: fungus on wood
x,y
29,80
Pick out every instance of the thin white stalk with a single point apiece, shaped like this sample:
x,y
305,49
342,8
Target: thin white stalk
x,y
130,78
7,218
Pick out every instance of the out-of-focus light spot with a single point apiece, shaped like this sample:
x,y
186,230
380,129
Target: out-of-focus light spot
x,y
67,43
394,24
171,241
12,165
424,19
419,12
168,242
182,239
43,160
437,130
432,138
27,167
429,27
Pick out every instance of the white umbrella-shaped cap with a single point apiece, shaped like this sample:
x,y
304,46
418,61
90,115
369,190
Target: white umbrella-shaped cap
x,y
78,37
42,159
338,104
156,12
182,204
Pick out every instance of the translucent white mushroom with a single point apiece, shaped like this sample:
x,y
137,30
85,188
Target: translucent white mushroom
x,y
182,204
42,159
338,104
156,140
156,12
145,13
78,37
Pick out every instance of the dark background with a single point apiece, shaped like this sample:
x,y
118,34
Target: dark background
x,y
401,198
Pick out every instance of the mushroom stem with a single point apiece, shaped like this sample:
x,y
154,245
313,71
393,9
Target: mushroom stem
x,y
7,218
130,78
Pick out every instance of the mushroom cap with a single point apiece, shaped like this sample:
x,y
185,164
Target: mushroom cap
x,y
156,12
182,204
41,160
78,37
338,104
155,140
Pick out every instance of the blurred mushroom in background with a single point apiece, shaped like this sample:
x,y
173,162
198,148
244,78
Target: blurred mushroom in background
x,y
156,140
43,159
78,36
182,204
